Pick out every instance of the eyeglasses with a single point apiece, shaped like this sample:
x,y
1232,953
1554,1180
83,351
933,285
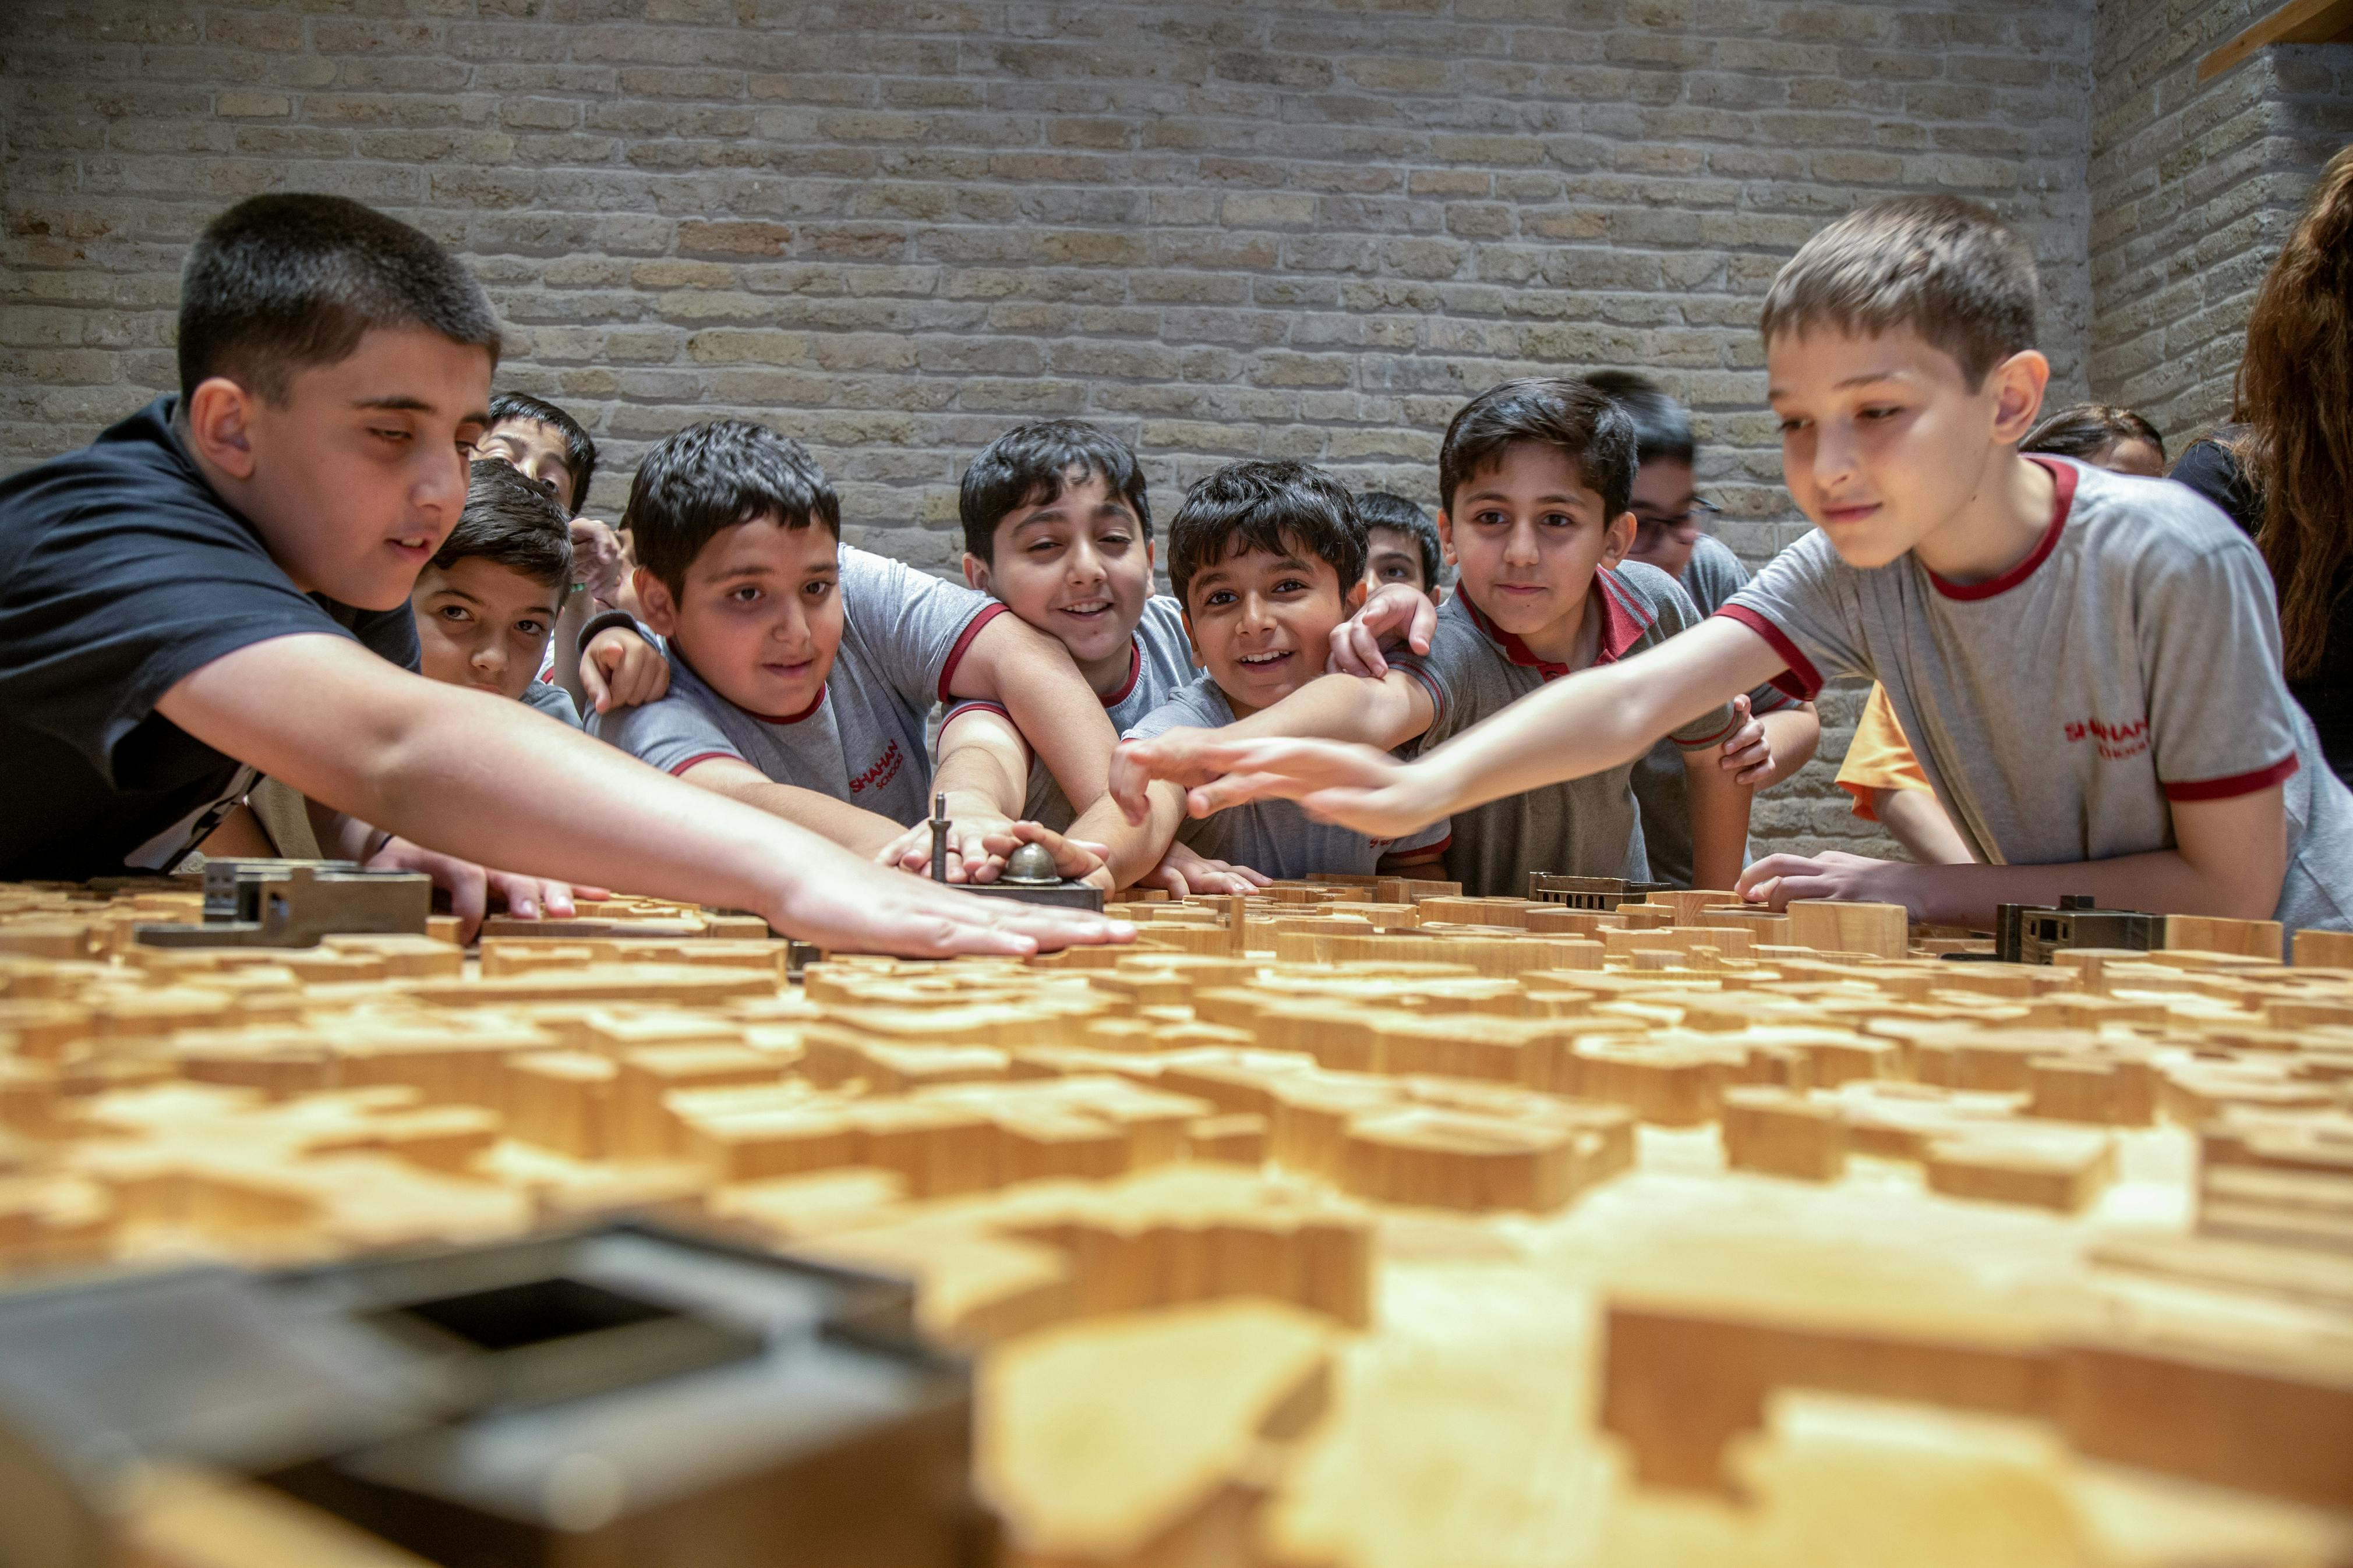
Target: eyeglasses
x,y
1652,530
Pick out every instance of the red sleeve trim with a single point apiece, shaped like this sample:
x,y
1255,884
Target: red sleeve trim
x,y
679,769
1430,684
1863,793
2236,784
988,612
1702,745
1800,680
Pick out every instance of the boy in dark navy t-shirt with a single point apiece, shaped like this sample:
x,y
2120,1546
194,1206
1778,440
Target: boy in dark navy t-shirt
x,y
221,583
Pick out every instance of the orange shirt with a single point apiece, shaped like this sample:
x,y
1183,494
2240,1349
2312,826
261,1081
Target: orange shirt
x,y
1879,758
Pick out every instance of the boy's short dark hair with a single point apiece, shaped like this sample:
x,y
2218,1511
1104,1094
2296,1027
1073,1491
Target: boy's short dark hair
x,y
709,477
1574,418
579,451
1379,509
512,522
279,283
1662,429
1946,268
1280,508
2088,429
1032,465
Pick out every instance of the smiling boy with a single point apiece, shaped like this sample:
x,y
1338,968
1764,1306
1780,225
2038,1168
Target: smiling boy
x,y
1266,558
802,670
1057,527
2086,664
1536,477
220,585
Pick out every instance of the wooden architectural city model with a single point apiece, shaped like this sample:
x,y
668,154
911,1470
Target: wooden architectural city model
x,y
1356,1223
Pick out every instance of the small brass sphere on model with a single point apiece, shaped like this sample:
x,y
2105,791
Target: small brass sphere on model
x,y
1033,863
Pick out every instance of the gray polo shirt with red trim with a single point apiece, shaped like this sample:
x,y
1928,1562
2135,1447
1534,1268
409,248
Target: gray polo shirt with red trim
x,y
2131,659
902,635
1585,827
1160,660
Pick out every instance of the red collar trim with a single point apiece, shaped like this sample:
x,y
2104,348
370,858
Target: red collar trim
x,y
1623,622
763,718
1135,674
2063,478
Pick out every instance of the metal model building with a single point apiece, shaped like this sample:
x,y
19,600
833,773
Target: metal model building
x,y
621,1393
2030,933
1598,893
293,903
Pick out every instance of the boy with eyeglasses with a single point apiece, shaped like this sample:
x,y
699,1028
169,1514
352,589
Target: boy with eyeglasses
x,y
1670,532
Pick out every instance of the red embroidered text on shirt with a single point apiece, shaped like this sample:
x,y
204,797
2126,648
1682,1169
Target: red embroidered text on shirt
x,y
2114,741
886,768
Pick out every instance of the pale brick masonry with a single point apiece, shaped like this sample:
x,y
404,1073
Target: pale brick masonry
x,y
2194,185
896,228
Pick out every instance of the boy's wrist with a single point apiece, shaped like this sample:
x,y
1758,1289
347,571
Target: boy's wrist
x,y
604,621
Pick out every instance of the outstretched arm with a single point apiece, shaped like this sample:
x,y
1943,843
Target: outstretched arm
x,y
2229,858
1385,712
1584,723
478,776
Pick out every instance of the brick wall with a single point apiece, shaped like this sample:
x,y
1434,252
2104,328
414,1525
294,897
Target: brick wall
x,y
2193,187
895,229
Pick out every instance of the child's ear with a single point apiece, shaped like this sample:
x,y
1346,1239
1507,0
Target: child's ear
x,y
1185,615
1446,538
1618,540
219,414
2019,381
1352,598
976,571
659,610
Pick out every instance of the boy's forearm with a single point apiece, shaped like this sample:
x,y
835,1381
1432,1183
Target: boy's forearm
x,y
1013,663
2161,881
1598,719
984,769
565,645
862,832
1385,712
1793,733
470,775
1719,820
1134,847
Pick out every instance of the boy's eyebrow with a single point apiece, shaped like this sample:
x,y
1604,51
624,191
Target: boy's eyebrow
x,y
459,593
401,402
1499,495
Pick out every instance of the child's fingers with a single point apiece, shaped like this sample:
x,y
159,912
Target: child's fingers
x,y
591,683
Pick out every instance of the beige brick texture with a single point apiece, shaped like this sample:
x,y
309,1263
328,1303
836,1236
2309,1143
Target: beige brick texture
x,y
2193,187
895,228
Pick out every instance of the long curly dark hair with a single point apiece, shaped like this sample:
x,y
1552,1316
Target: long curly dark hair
x,y
2294,398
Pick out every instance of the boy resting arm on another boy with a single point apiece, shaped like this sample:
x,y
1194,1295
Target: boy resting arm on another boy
x,y
2086,664
1057,525
1267,558
802,669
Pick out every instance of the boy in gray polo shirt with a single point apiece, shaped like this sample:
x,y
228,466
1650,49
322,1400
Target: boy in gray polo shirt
x,y
1668,515
2087,665
1535,476
801,670
1267,558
